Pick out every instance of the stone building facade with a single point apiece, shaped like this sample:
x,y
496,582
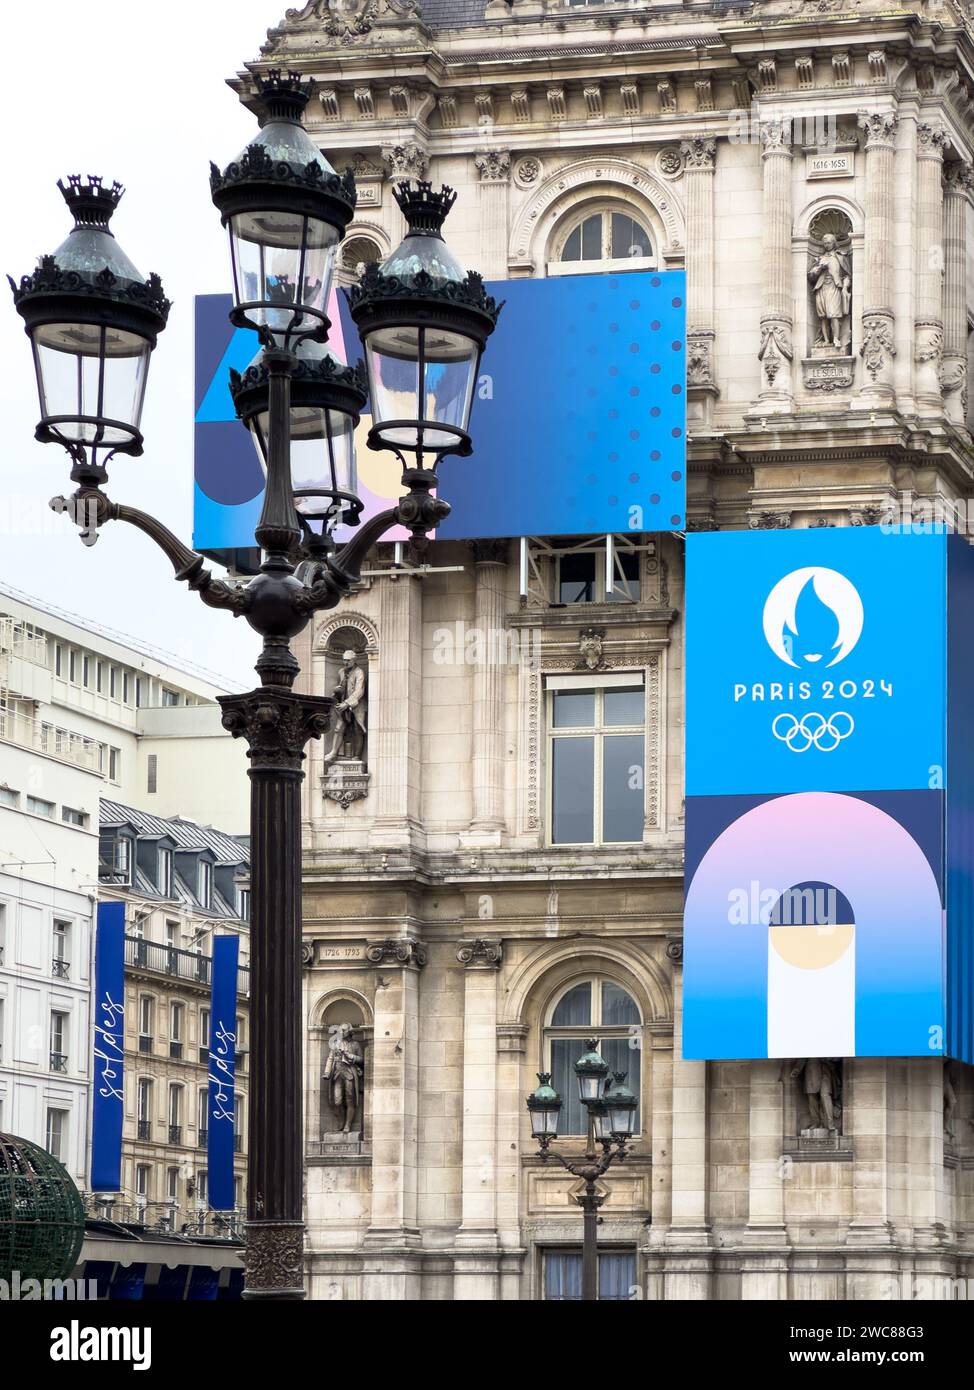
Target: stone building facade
x,y
809,164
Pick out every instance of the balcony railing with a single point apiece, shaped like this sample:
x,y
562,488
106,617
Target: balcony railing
x,y
28,732
59,1061
15,640
175,1134
158,959
61,969
145,1129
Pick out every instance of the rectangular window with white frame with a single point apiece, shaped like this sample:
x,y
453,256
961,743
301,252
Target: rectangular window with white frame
x,y
596,759
56,1137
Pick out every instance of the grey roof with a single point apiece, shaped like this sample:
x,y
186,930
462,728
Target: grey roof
x,y
453,14
228,849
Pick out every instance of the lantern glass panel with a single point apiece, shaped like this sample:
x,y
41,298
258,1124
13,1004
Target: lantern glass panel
x,y
620,1118
421,374
322,458
87,369
281,258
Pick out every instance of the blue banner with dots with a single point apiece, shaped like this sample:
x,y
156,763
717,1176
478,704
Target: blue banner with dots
x,y
578,423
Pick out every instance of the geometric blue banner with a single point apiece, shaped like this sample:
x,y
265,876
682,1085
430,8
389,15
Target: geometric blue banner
x,y
109,1030
578,424
221,1099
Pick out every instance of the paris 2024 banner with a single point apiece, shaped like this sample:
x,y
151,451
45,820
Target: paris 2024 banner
x,y
830,794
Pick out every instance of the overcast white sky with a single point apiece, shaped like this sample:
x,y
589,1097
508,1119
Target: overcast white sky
x,y
138,93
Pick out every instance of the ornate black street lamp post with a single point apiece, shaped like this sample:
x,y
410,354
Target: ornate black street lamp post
x,y
611,1108
93,322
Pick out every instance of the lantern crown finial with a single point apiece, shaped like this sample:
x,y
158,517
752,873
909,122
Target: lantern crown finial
x,y
424,210
91,203
284,94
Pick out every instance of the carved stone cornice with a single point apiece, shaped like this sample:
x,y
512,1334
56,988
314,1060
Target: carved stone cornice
x,y
769,521
276,724
403,951
512,1037
480,951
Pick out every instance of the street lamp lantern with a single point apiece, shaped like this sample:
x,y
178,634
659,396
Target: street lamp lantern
x,y
592,1071
619,1104
93,321
286,210
424,321
544,1105
326,401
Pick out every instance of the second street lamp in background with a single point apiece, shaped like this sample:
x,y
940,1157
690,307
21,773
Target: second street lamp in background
x,y
611,1108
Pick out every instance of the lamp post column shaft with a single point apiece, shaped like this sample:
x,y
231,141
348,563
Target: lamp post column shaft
x,y
590,1256
274,1189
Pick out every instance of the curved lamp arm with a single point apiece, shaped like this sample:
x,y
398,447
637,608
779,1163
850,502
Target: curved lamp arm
x,y
91,509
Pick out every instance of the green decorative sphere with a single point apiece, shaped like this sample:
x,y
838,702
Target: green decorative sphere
x,y
42,1218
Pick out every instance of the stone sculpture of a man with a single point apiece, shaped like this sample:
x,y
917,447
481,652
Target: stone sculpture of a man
x,y
350,710
830,277
343,1072
818,1080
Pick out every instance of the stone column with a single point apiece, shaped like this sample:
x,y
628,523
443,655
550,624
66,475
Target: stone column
x,y
700,159
957,189
512,1088
476,1263
395,701
764,1275
494,168
866,1106
929,262
775,352
689,1260
391,1265
878,348
490,559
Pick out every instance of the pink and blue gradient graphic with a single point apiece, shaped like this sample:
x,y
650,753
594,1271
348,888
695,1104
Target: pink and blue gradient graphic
x,y
830,740
578,423
877,866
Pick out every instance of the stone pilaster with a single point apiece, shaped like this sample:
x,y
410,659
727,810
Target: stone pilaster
x,y
765,1275
391,1269
878,347
688,1270
699,161
775,352
953,376
494,168
488,701
476,1262
395,710
511,1118
928,342
866,1108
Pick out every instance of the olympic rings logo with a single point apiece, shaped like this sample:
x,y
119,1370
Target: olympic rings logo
x,y
813,729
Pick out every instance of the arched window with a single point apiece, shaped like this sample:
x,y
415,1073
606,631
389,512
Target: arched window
x,y
600,239
596,1007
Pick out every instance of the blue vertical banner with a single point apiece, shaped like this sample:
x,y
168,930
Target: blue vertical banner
x,y
223,1047
109,1049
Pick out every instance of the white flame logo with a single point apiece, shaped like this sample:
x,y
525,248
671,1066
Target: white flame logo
x,y
833,590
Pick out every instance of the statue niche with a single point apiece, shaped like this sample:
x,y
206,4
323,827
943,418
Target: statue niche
x,y
342,1074
818,1083
830,284
346,776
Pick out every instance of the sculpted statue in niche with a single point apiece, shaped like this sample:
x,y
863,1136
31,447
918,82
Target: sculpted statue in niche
x,y
343,1074
819,1081
830,283
350,711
